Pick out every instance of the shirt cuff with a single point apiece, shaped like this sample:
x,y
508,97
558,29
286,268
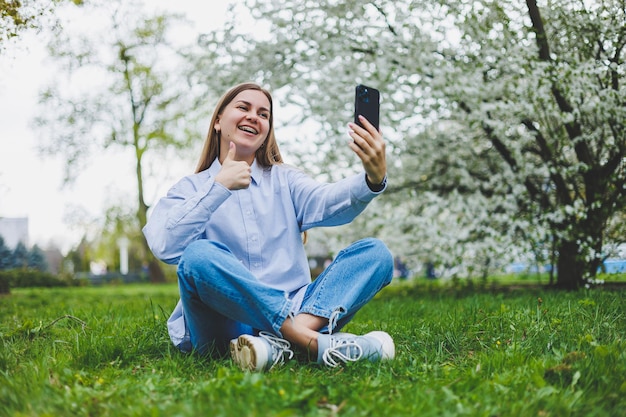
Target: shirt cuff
x,y
376,188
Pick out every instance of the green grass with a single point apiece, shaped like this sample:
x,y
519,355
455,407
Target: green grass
x,y
459,352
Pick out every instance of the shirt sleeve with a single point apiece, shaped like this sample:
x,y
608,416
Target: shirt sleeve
x,y
329,204
181,216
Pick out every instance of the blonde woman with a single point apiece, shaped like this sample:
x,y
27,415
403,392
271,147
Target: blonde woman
x,y
235,230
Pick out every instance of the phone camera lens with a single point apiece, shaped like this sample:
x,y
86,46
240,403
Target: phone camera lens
x,y
364,95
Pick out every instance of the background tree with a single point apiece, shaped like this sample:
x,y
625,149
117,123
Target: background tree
x,y
13,18
78,259
140,105
17,16
19,257
506,121
37,259
120,222
5,255
557,121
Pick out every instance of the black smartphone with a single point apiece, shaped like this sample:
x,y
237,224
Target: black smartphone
x,y
367,104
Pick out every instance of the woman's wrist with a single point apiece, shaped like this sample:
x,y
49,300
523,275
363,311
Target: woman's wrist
x,y
376,187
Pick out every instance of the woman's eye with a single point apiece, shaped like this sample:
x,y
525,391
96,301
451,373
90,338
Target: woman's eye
x,y
265,115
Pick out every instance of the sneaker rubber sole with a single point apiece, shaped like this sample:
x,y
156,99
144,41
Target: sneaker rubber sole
x,y
249,353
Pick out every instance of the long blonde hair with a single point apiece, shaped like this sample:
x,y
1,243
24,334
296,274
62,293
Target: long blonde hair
x,y
268,154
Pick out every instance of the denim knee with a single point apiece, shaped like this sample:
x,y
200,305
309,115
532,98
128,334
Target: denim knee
x,y
198,249
378,252
198,255
202,250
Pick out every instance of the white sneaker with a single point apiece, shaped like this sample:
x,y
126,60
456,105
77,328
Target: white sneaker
x,y
259,353
335,349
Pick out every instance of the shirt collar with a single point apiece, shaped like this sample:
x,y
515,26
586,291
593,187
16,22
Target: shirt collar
x,y
257,172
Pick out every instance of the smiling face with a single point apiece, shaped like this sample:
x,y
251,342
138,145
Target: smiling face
x,y
246,122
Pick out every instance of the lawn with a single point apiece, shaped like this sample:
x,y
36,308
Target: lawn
x,y
104,351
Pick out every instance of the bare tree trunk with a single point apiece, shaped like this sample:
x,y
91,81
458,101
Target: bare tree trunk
x,y
154,270
154,267
553,256
570,269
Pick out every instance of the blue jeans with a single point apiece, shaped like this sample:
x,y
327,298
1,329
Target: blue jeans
x,y
223,300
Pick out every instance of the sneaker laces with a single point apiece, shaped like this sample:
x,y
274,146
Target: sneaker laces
x,y
342,350
333,319
280,348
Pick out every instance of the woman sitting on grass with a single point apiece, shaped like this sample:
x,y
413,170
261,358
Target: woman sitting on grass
x,y
235,230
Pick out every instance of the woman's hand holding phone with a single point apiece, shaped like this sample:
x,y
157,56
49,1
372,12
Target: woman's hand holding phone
x,y
369,145
367,140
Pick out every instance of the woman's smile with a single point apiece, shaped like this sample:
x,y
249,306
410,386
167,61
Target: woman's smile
x,y
246,122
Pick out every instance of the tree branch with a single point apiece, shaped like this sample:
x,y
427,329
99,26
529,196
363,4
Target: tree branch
x,y
548,157
573,129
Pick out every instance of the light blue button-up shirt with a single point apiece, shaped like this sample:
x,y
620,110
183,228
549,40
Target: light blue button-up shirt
x,y
261,225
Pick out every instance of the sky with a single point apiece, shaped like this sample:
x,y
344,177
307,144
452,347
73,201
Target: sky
x,y
32,186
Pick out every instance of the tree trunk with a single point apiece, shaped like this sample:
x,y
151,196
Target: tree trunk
x,y
570,270
154,266
155,271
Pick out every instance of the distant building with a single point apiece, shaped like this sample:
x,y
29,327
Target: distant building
x,y
14,230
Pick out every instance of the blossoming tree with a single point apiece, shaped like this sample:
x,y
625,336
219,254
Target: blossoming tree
x,y
506,121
